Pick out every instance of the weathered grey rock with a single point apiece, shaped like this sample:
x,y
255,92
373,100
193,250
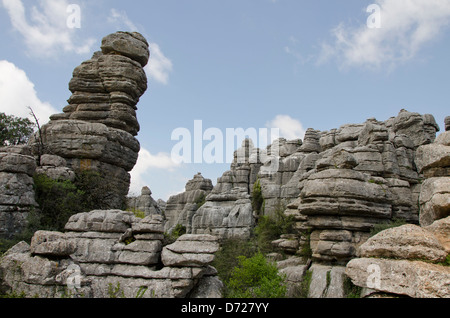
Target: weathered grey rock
x,y
348,132
404,242
433,160
150,224
208,287
415,279
51,244
288,243
227,215
132,45
434,200
447,123
421,129
294,279
111,254
180,208
443,139
326,282
190,250
441,231
112,221
17,197
96,131
311,142
144,203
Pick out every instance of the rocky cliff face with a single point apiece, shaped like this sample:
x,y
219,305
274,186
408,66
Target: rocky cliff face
x,y
96,131
337,184
104,254
412,260
180,208
17,199
145,203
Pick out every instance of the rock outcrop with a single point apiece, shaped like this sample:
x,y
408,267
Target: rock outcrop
x,y
365,175
404,261
144,203
411,260
17,197
433,161
111,253
96,131
180,208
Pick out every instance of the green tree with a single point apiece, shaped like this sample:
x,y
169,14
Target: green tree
x,y
14,130
255,277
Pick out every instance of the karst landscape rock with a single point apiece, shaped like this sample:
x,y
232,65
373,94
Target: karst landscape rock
x,y
337,186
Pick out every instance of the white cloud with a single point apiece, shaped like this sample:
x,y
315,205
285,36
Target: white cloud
x,y
17,93
289,127
147,162
120,17
159,66
406,27
46,32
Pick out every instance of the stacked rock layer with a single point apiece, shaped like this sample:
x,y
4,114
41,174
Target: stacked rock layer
x,y
112,253
96,131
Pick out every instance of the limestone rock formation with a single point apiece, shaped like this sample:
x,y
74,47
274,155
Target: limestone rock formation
x,y
404,261
180,208
366,175
433,161
144,203
111,254
17,197
96,131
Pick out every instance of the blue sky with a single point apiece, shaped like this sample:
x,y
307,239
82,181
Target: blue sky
x,y
288,64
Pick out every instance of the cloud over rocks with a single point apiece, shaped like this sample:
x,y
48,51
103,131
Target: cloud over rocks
x,y
17,93
407,26
146,162
289,127
44,27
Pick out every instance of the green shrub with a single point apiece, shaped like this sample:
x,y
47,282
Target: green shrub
x,y
33,225
351,290
227,258
384,226
58,201
255,277
98,194
257,198
178,231
137,213
270,228
305,284
200,201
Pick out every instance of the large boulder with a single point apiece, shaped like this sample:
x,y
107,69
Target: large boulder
x,y
415,279
405,261
404,242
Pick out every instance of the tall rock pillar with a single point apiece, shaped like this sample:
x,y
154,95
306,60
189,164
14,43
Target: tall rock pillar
x,y
96,131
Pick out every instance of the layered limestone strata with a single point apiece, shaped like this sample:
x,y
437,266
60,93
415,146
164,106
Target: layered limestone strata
x,y
96,131
112,253
17,198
